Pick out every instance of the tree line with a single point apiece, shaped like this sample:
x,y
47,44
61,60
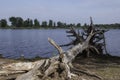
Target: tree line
x,y
18,22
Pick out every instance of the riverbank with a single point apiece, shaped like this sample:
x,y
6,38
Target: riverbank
x,y
107,67
11,27
82,27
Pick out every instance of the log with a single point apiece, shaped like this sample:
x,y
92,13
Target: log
x,y
44,68
96,42
54,66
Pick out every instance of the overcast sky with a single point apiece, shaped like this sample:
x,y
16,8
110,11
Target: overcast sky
x,y
70,11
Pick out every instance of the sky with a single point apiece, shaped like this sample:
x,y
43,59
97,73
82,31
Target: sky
x,y
69,11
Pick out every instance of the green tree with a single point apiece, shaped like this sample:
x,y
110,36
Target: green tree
x,y
54,25
28,23
71,25
25,23
50,23
13,21
31,23
59,24
85,26
19,22
16,21
78,25
3,23
64,25
44,24
36,23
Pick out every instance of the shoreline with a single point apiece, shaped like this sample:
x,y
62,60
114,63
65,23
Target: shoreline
x,y
52,28
107,67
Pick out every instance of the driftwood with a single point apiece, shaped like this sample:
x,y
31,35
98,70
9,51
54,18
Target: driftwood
x,y
97,43
52,67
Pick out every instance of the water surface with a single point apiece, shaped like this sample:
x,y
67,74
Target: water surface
x,y
33,42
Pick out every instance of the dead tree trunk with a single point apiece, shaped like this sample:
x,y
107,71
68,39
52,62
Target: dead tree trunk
x,y
40,70
55,66
97,42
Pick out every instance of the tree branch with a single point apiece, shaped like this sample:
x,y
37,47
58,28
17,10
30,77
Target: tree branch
x,y
55,45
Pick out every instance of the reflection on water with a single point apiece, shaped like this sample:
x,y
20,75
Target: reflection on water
x,y
31,43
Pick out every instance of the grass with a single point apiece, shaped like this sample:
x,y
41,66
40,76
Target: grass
x,y
107,67
109,73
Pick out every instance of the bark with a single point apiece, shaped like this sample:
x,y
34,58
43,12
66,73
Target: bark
x,y
52,67
40,70
97,44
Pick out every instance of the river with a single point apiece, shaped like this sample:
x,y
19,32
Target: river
x,y
33,42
